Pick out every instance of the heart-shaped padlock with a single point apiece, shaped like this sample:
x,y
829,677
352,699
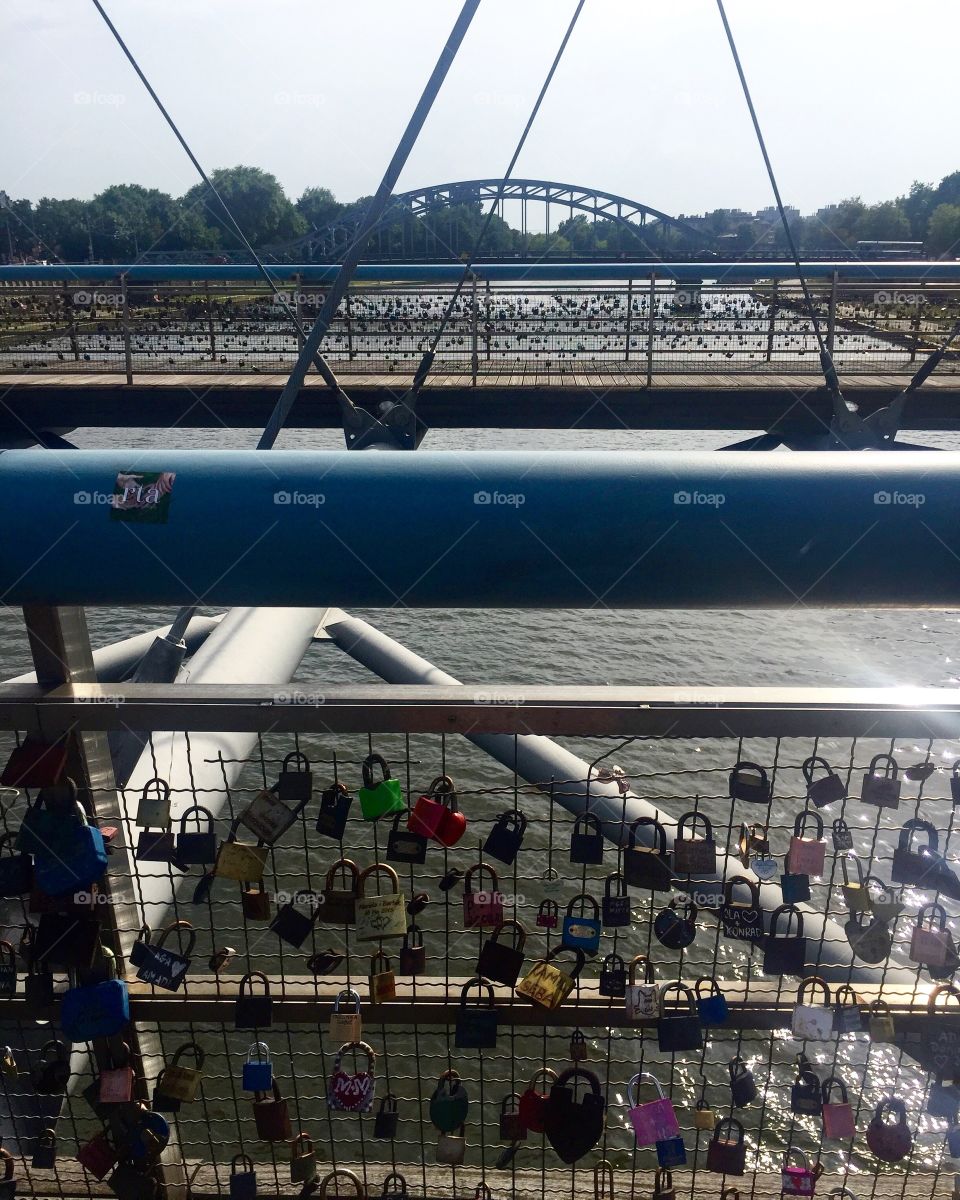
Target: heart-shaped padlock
x,y
533,1104
676,925
573,1127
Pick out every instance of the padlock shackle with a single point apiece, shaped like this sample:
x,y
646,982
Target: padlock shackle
x,y
162,788
790,910
603,1179
810,982
520,934
648,974
352,997
660,834
344,867
621,890
677,987
943,989
728,1122
583,897
298,757
578,1073
246,983
936,911
480,983
199,809
378,868
255,1049
366,770
800,824
752,886
197,1051
633,1086
911,827
480,867
339,1171
561,949
245,1161
587,818
548,1074
711,980
177,926
443,790
693,817
809,765
890,770
744,764
831,1082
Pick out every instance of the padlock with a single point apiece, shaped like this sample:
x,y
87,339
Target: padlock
x,y
796,1179
437,815
348,1092
199,847
258,1069
116,1081
378,798
38,991
499,962
739,920
941,1034
452,1147
155,845
334,812
671,1152
786,954
712,1008
678,1031
161,1102
511,1127
255,902
413,954
880,1022
807,855
886,902
35,764
855,894
548,915
505,838
581,932
828,789
449,1102
482,908
8,1064
579,1051
615,906
743,1086
648,866
476,1026
240,861
676,925
16,871
943,1101
642,1001
394,1187
764,866
96,1010
181,1083
243,1178
953,1147
380,916
693,855
8,969
273,811
812,1021
45,1150
346,1024
869,937
381,980
295,782
66,940
881,790
163,967
340,893
748,782
294,922
387,1121
842,836
703,1115
98,1156
533,1103
574,1126
754,842
806,1094
727,1152
271,1117
847,1017
889,1141
71,857
613,977
405,846
919,867
655,1120
252,1011
548,986
53,1073
153,809
303,1159
930,946
586,840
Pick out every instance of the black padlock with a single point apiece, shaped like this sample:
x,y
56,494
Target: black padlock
x,y
739,920
38,990
252,1011
405,846
727,1152
387,1119
498,961
53,1073
842,836
743,1086
648,866
295,783
806,1095
616,904
748,782
476,1027
45,1150
293,922
413,955
918,867
613,977
678,1030
826,790
512,1128
199,848
676,925
16,871
794,887
504,839
334,811
786,954
586,841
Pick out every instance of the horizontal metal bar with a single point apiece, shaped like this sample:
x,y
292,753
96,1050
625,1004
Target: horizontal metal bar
x,y
483,529
669,712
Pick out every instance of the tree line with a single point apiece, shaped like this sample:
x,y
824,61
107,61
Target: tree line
x,y
126,221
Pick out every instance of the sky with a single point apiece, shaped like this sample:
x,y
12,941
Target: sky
x,y
645,104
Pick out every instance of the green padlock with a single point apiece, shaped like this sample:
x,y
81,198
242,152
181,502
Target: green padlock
x,y
379,799
449,1102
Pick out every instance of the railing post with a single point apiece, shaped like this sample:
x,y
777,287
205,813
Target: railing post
x,y
832,313
915,330
487,320
772,329
71,316
474,332
626,349
650,326
349,312
212,335
125,321
298,307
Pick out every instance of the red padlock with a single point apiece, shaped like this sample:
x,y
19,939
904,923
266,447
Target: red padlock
x,y
532,1109
485,907
436,815
116,1082
98,1156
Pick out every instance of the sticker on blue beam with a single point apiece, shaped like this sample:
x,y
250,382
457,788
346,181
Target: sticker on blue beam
x,y
142,496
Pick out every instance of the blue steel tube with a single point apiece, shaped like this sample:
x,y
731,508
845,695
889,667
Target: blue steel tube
x,y
631,530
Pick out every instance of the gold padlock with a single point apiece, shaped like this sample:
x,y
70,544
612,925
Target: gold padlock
x,y
703,1115
345,1024
451,1147
9,1064
881,1022
237,860
383,982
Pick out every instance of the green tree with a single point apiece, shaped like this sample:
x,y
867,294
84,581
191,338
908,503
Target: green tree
x,y
62,228
883,222
128,220
918,205
948,190
943,231
318,206
257,201
833,227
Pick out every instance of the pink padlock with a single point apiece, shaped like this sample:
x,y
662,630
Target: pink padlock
x,y
807,854
654,1121
483,908
796,1181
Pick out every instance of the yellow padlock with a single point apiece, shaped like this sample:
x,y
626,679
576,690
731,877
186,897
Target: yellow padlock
x,y
237,860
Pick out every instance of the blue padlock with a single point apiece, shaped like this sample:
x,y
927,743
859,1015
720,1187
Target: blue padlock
x,y
145,1137
258,1069
712,1008
72,858
97,1010
953,1141
581,932
671,1152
